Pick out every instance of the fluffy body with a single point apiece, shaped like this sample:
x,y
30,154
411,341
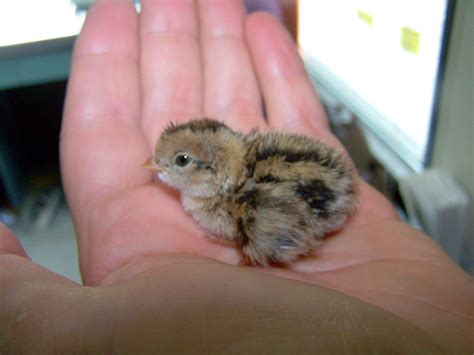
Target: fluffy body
x,y
275,194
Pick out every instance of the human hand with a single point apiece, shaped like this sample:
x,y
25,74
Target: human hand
x,y
130,77
192,62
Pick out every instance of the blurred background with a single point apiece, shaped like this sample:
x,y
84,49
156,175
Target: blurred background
x,y
396,79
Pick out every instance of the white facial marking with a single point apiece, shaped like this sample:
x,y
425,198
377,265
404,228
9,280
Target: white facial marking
x,y
163,176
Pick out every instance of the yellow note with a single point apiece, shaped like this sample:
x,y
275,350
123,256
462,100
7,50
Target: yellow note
x,y
410,40
364,16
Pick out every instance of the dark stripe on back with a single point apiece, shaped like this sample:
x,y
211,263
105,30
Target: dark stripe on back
x,y
242,237
250,169
317,196
248,197
268,178
293,156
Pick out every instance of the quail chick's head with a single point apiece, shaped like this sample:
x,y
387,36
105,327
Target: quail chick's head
x,y
199,158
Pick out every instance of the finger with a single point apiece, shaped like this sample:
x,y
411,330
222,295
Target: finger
x,y
231,88
101,143
170,64
290,99
9,245
42,312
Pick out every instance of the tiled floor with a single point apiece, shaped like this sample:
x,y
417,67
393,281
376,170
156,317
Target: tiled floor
x,y
53,247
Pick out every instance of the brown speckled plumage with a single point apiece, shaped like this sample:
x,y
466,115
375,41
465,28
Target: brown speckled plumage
x,y
275,194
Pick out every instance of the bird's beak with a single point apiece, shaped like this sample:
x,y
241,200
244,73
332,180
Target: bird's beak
x,y
151,165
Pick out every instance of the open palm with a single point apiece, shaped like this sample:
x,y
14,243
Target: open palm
x,y
182,60
191,63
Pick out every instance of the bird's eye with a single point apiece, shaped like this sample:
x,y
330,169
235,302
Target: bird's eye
x,y
182,160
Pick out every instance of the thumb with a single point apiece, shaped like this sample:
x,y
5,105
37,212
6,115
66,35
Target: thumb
x,y
43,312
9,244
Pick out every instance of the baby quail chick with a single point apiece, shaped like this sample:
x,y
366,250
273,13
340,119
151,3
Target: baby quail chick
x,y
275,194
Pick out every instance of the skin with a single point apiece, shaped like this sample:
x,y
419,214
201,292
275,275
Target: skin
x,y
152,281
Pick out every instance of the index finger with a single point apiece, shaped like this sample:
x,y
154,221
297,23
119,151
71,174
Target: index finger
x,y
170,64
101,142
